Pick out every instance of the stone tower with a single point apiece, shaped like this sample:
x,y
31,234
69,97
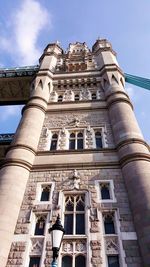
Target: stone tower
x,y
78,152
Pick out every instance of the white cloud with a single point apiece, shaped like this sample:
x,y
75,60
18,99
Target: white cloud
x,y
28,21
8,112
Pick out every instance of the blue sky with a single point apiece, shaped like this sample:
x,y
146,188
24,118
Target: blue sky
x,y
27,26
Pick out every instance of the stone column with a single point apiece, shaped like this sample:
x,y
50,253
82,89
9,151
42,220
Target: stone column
x,y
133,151
20,157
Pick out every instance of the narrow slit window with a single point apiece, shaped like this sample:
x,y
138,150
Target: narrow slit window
x,y
76,97
109,224
80,141
60,98
54,141
93,96
72,141
98,140
40,226
105,190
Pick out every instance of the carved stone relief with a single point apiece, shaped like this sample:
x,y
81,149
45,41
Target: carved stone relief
x,y
62,139
68,95
89,137
36,246
111,243
85,94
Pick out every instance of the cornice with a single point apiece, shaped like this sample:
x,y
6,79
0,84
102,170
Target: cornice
x,y
118,99
21,146
16,162
134,157
131,141
79,151
34,105
79,166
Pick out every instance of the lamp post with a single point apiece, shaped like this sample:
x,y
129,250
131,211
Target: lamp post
x,y
57,231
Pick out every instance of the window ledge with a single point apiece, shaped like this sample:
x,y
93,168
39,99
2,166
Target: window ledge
x,y
74,237
79,151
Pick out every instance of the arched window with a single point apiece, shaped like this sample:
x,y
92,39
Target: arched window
x,y
76,97
40,225
74,216
80,261
72,141
45,193
60,98
109,224
67,261
94,96
98,140
76,140
54,142
80,141
105,191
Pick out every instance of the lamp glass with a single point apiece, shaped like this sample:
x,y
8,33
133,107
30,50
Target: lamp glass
x,y
56,238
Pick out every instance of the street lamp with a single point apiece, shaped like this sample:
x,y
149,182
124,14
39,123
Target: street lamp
x,y
57,231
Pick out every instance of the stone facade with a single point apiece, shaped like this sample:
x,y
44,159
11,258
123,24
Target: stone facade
x,y
78,143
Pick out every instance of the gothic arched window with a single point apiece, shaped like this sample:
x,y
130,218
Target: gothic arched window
x,y
60,98
76,140
98,140
67,261
74,216
54,140
94,96
72,141
80,141
80,261
76,97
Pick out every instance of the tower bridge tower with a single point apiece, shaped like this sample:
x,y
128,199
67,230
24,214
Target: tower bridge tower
x,y
77,152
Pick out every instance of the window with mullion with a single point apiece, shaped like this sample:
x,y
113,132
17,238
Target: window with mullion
x,y
76,140
74,216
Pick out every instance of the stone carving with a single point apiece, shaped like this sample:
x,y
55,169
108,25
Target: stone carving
x,y
94,227
89,137
68,95
45,132
37,246
16,254
53,96
81,246
85,94
96,253
111,243
63,138
75,180
67,247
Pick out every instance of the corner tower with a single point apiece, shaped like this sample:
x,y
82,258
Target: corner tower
x,y
78,152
